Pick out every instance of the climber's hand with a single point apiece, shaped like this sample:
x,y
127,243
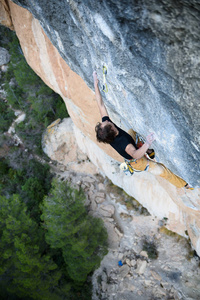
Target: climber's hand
x,y
150,138
96,81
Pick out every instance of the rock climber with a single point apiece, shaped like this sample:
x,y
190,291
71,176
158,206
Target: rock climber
x,y
124,144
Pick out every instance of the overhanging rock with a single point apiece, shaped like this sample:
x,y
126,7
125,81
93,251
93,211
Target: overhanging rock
x,y
151,54
151,51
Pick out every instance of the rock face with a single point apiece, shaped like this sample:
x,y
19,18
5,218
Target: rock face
x,y
180,210
143,262
4,56
59,143
151,51
5,16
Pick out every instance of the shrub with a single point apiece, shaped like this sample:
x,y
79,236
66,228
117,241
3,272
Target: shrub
x,y
30,94
82,238
6,116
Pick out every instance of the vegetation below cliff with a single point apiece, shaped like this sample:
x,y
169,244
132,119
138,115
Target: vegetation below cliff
x,y
49,244
26,92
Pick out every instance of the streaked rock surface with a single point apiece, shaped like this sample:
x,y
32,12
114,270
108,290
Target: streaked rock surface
x,y
151,54
151,51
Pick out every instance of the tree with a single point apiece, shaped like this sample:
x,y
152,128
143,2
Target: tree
x,y
24,268
6,116
27,92
24,252
32,183
82,238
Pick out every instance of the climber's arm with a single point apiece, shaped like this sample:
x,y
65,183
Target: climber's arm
x,y
139,153
101,106
136,153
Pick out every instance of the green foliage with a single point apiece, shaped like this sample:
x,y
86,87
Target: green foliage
x,y
82,238
24,75
150,247
27,92
4,168
6,116
23,269
78,242
32,183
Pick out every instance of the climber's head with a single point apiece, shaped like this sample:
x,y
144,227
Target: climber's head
x,y
106,132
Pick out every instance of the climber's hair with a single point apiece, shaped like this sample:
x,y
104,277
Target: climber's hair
x,y
106,134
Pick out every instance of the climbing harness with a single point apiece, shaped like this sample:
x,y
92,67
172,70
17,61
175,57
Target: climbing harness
x,y
128,169
105,87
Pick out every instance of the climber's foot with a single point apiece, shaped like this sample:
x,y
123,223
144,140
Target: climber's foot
x,y
151,153
188,187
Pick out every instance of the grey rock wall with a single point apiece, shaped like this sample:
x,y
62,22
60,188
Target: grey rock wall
x,y
151,49
4,56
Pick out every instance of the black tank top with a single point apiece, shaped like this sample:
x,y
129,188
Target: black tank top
x,y
121,140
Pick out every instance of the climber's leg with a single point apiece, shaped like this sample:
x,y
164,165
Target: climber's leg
x,y
140,164
156,168
160,170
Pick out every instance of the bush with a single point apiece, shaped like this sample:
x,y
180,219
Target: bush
x,y
82,238
30,94
23,270
150,247
6,116
32,183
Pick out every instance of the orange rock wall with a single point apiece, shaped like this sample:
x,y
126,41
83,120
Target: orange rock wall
x,y
5,16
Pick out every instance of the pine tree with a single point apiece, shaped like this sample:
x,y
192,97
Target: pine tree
x,y
24,268
82,238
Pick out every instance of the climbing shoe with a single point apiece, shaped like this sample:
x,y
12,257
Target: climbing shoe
x,y
188,187
151,153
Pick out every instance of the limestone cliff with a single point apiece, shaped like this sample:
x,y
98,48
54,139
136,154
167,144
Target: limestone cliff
x,y
151,49
180,209
151,52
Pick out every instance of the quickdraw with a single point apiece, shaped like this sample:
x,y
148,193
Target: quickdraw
x,y
105,87
139,139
